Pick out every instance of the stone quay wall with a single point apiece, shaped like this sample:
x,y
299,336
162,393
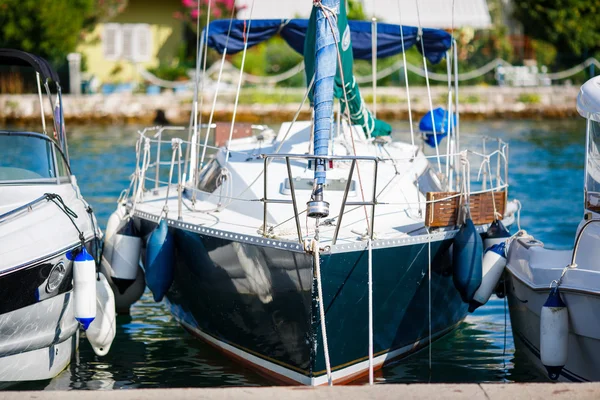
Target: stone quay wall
x,y
477,102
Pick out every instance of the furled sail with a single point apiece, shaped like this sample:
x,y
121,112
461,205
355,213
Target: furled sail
x,y
359,114
325,66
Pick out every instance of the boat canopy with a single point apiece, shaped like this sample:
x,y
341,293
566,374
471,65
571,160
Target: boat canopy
x,y
22,58
588,100
435,41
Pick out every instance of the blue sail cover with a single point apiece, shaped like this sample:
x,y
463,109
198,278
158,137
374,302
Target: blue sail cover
x,y
325,67
435,41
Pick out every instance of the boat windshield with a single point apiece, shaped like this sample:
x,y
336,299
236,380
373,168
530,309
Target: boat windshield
x,y
593,167
30,158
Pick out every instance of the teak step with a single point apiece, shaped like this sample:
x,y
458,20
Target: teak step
x,y
443,208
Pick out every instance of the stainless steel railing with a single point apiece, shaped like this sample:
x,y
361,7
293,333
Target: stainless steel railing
x,y
345,202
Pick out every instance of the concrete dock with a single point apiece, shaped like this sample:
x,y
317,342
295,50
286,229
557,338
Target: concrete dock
x,y
512,391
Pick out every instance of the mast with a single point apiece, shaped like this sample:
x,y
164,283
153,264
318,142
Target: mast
x,y
327,39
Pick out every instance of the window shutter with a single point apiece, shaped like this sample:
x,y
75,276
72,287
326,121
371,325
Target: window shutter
x,y
143,43
128,43
111,41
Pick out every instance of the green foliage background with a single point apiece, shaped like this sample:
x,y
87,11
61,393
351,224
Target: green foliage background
x,y
572,27
49,28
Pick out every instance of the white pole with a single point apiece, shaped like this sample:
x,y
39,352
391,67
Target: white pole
x,y
198,118
370,312
374,63
585,166
37,75
450,128
429,283
339,118
457,130
74,60
194,140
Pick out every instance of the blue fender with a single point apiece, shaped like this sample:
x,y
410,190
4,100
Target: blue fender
x,y
496,233
442,125
467,259
160,252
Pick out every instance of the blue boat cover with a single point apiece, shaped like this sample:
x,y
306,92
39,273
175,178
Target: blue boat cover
x,y
326,45
435,41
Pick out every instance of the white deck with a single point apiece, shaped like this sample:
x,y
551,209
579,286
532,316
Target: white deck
x,y
399,214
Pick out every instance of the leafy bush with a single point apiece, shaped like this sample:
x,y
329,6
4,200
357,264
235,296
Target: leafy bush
x,y
529,98
169,72
262,97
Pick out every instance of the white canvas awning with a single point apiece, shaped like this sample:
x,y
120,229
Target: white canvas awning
x,y
433,13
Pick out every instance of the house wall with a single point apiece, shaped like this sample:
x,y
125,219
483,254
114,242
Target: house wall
x,y
166,37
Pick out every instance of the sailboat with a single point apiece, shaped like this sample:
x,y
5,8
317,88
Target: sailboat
x,y
318,253
48,236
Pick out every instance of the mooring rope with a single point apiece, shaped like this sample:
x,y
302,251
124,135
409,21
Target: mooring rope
x,y
97,250
58,201
315,250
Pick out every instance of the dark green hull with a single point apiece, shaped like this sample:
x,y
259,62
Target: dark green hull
x,y
258,302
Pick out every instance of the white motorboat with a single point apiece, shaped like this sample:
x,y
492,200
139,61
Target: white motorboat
x,y
561,332
44,226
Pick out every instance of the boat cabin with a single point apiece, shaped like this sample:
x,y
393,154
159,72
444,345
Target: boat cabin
x,y
588,105
36,158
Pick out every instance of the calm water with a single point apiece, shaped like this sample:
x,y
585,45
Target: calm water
x,y
152,351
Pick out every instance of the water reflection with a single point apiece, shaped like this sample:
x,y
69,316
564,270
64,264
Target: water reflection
x,y
152,351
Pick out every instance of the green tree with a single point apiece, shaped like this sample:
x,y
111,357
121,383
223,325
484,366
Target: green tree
x,y
572,26
355,10
50,28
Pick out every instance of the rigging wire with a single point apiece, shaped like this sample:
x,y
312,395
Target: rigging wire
x,y
339,57
216,94
194,114
435,139
239,88
410,120
198,118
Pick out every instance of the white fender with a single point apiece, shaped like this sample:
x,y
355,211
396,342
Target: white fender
x,y
494,261
126,256
84,288
132,294
102,330
116,221
489,242
554,334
